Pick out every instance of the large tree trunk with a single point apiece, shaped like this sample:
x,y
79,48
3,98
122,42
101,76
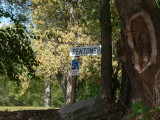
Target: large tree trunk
x,y
106,60
139,51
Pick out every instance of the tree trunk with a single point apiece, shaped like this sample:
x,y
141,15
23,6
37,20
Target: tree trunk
x,y
106,60
47,102
71,89
72,18
139,51
125,97
62,82
71,80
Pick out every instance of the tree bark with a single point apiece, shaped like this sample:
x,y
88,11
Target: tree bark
x,y
71,80
106,59
71,89
138,50
47,102
125,97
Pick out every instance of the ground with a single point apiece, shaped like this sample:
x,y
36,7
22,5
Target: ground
x,y
51,114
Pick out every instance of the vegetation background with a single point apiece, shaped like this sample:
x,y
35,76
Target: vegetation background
x,y
35,46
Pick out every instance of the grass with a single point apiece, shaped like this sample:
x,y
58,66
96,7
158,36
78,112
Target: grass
x,y
17,108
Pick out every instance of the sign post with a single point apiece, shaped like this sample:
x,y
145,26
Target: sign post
x,y
82,51
73,73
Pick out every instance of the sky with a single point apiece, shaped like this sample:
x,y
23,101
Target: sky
x,y
7,21
4,21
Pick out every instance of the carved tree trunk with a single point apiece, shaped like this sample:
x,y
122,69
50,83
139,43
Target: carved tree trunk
x,y
139,51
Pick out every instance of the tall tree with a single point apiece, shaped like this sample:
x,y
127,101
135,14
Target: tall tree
x,y
71,80
139,52
54,26
106,59
16,52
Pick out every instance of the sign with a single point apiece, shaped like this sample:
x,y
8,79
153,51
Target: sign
x,y
85,51
75,66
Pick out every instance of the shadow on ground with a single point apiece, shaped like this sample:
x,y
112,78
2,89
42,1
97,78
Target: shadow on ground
x,y
51,114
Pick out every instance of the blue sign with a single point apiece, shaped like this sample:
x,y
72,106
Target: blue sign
x,y
75,66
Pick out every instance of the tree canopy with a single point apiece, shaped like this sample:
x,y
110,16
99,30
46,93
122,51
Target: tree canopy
x,y
16,52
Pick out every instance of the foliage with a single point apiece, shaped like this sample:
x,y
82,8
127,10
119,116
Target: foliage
x,y
89,79
57,36
28,93
17,10
17,57
7,97
57,98
158,3
54,37
142,112
34,95
16,52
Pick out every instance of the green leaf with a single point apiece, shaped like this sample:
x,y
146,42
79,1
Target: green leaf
x,y
158,107
151,111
